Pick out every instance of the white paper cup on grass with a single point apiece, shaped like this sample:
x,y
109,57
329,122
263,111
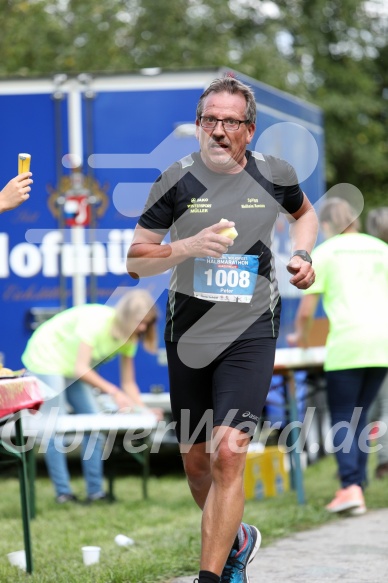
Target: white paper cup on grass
x,y
18,559
91,555
124,541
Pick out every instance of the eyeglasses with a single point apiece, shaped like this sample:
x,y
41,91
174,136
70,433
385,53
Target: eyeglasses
x,y
229,124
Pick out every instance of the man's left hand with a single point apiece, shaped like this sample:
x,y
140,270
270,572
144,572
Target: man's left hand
x,y
302,271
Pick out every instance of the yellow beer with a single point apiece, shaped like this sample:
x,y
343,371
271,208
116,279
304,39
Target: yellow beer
x,y
24,161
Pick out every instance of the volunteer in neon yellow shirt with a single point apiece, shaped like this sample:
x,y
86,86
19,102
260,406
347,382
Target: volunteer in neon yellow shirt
x,y
64,351
352,278
377,225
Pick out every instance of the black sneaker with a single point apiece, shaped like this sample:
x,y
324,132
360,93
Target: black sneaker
x,y
63,498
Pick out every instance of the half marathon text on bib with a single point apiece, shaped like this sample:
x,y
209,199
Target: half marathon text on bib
x,y
231,278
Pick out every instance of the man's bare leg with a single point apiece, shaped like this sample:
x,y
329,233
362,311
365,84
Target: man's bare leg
x,y
216,482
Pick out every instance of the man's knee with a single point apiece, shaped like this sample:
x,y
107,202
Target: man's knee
x,y
196,463
228,458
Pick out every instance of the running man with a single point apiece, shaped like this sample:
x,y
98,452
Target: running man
x,y
221,351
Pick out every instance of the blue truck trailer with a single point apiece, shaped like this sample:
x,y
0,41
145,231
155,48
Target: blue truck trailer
x,y
97,143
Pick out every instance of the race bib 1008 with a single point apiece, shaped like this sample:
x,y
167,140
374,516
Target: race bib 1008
x,y
231,278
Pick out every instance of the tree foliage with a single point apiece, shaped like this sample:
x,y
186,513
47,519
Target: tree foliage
x,y
331,52
339,54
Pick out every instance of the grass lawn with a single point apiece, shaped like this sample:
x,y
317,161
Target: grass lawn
x,y
165,527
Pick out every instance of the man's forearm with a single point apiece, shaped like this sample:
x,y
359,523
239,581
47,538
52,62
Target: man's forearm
x,y
146,259
304,231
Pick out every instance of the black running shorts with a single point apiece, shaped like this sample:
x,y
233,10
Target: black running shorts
x,y
213,385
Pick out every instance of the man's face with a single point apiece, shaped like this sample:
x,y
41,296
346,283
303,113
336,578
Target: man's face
x,y
221,150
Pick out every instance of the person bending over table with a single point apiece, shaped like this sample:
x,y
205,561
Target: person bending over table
x,y
64,353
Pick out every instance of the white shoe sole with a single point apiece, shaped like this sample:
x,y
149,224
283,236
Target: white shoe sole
x,y
344,506
255,548
257,545
358,511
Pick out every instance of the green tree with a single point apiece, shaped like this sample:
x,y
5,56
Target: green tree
x,y
331,52
28,38
339,54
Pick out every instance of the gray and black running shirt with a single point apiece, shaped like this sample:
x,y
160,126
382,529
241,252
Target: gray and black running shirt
x,y
235,297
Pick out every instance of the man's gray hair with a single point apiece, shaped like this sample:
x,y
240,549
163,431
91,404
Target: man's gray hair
x,y
230,85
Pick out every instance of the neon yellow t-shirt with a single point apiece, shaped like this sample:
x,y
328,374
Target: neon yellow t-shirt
x,y
352,276
53,347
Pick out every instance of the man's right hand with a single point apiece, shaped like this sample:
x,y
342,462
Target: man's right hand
x,y
209,242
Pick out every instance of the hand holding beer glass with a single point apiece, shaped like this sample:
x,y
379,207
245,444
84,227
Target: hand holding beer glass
x,y
17,190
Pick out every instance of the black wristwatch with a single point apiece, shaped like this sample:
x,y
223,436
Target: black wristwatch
x,y
303,254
